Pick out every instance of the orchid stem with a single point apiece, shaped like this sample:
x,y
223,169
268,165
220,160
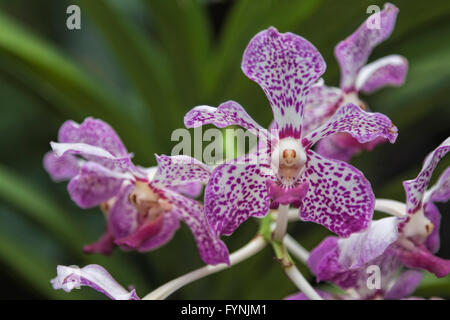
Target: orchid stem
x,y
250,249
299,280
281,223
296,249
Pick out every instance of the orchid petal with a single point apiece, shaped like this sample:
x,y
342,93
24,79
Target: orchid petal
x,y
94,184
171,223
235,193
432,242
360,248
94,276
353,52
191,189
61,168
285,66
390,70
178,170
93,153
93,132
331,147
339,196
123,215
420,258
441,190
363,126
212,250
405,285
415,188
321,104
227,114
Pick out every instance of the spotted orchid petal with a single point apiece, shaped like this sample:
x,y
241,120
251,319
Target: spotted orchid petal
x,y
353,52
212,250
363,126
94,185
415,188
321,104
362,247
420,258
405,285
178,170
235,193
61,168
227,114
432,242
144,231
285,66
94,276
387,71
441,190
339,196
93,132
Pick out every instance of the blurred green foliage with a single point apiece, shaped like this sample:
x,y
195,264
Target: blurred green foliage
x,y
141,65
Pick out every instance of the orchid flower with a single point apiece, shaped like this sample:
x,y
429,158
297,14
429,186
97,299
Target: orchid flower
x,y
356,76
142,207
287,171
94,276
407,240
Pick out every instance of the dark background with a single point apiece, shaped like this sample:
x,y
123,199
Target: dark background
x,y
141,65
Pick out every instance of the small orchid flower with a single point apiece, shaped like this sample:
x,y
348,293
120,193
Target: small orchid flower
x,y
142,207
356,76
407,240
94,276
287,171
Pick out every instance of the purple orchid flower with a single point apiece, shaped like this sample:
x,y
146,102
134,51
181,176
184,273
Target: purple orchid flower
x,y
286,170
407,240
356,76
94,276
142,207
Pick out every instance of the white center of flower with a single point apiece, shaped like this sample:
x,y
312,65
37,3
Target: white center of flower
x,y
352,97
288,160
418,228
149,204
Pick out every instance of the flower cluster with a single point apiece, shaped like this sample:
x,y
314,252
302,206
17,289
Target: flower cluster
x,y
143,206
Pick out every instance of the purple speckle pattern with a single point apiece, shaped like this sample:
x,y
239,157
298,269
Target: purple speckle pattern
x,y
339,196
363,126
285,65
61,168
386,74
94,276
93,185
212,249
179,170
227,114
441,191
353,52
415,188
235,193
